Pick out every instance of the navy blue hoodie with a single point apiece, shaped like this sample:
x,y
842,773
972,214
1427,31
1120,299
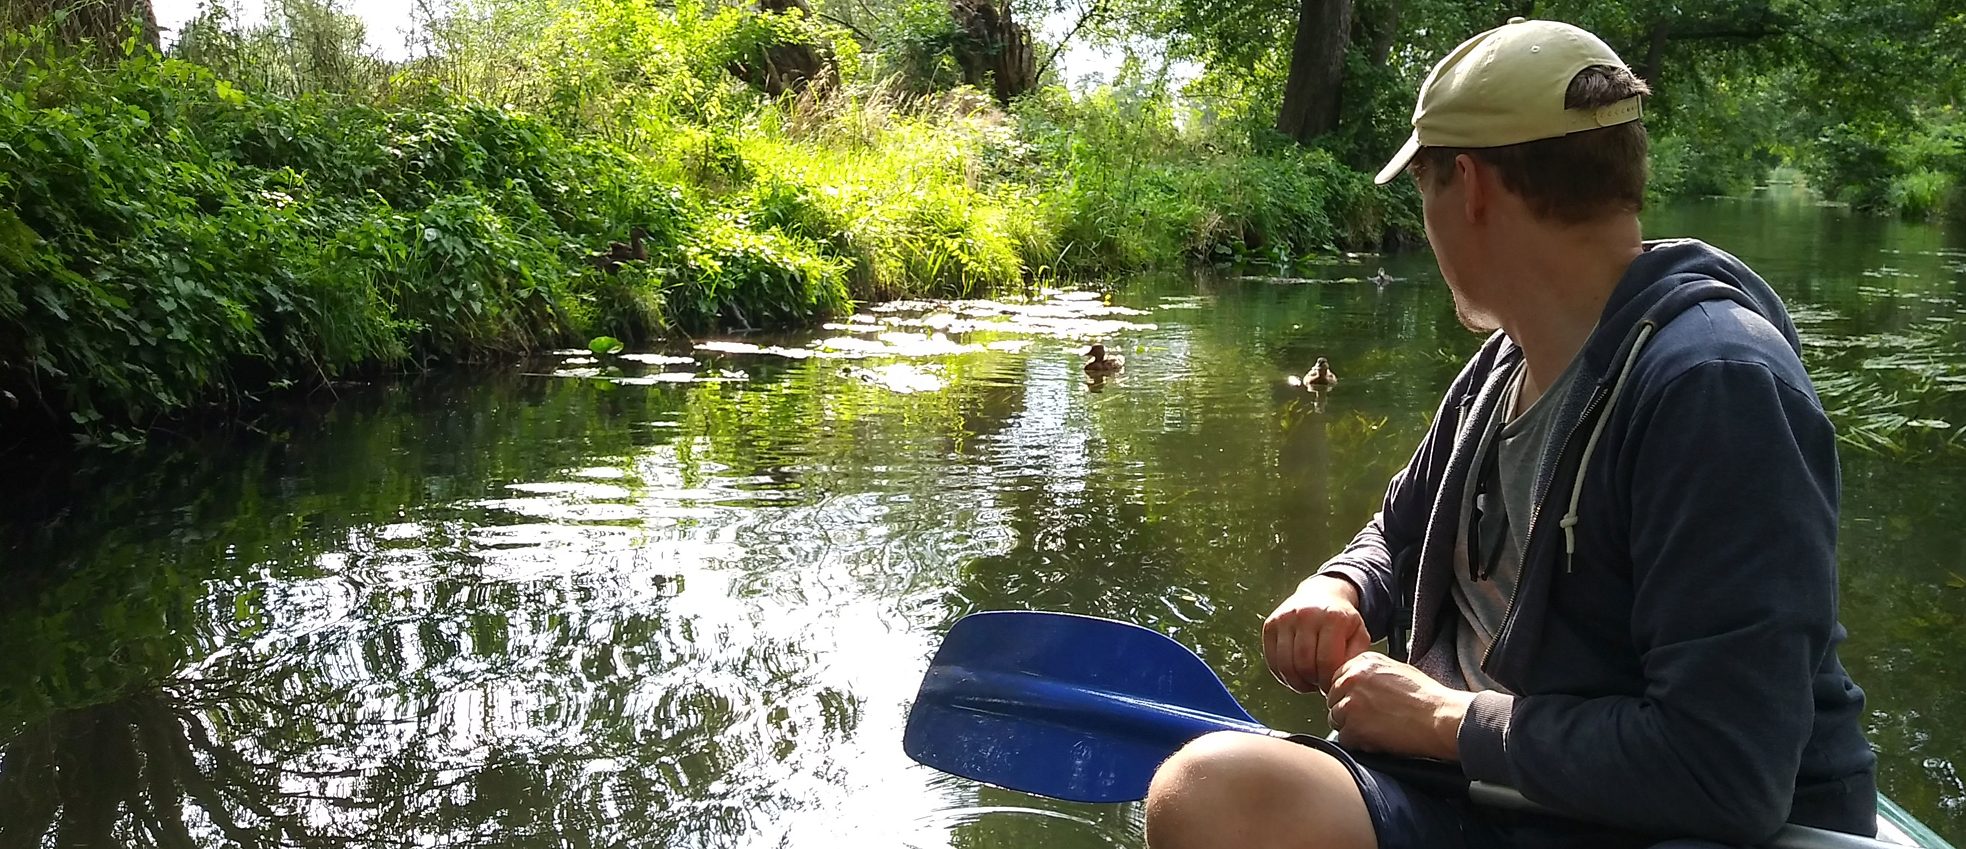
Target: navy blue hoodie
x,y
1672,641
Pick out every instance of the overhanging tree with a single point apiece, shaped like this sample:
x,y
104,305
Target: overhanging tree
x,y
104,22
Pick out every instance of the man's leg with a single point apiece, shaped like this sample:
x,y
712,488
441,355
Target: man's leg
x,y
1245,790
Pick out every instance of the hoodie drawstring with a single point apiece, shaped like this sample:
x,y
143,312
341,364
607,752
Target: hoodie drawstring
x,y
1569,522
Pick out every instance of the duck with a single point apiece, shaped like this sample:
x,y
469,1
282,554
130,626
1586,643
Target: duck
x,y
1320,374
1381,279
1100,362
635,250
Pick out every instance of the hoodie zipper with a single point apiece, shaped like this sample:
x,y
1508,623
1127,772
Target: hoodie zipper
x,y
1529,540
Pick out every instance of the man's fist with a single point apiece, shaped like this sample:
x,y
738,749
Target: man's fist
x,y
1313,632
1381,705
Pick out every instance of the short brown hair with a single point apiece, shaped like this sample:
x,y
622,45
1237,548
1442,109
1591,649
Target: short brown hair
x,y
1578,177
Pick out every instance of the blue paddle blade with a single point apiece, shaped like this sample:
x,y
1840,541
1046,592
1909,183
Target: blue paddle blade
x,y
1066,706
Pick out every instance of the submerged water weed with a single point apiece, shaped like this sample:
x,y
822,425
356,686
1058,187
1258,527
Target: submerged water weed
x,y
1892,392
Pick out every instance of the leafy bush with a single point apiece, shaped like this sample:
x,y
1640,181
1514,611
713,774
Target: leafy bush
x,y
1852,163
1916,175
1138,190
1924,193
169,240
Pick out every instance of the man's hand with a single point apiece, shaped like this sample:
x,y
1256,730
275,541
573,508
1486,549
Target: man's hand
x,y
1381,705
1313,632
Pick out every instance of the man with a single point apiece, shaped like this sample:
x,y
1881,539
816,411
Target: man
x,y
1612,559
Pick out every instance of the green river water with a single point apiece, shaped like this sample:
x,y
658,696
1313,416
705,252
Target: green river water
x,y
529,608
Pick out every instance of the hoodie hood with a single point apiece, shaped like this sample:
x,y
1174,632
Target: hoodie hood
x,y
1662,282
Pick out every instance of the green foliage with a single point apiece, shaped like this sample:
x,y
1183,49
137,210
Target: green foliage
x,y
1924,193
752,279
1740,87
301,46
1852,163
918,38
605,345
1915,173
900,197
290,210
171,240
1137,190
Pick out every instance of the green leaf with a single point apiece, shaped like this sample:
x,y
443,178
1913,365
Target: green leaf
x,y
606,345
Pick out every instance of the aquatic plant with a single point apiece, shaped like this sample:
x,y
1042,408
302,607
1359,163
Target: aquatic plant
x,y
1893,392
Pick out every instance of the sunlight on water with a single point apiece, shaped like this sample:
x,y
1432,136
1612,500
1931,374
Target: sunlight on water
x,y
684,598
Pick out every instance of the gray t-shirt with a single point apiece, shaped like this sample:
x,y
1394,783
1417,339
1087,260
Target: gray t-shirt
x,y
1501,491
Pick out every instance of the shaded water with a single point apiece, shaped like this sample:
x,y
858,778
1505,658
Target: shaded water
x,y
527,610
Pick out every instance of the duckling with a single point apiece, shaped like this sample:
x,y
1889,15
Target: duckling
x,y
636,249
1100,362
617,253
1320,374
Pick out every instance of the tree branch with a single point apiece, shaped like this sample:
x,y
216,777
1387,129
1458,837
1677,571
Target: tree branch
x,y
1091,12
857,31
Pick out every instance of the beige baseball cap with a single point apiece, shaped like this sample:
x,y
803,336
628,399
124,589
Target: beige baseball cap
x,y
1506,86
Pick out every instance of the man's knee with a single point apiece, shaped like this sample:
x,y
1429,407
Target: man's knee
x,y
1211,766
1235,789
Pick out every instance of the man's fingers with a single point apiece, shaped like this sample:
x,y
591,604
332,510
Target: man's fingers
x,y
1334,648
1284,663
1304,660
1270,655
1360,643
1286,657
1346,676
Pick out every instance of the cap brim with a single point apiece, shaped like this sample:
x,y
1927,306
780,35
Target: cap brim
x,y
1399,161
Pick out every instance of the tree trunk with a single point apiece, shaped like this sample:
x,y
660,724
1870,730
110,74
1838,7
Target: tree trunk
x,y
1655,53
778,68
105,22
993,50
1388,35
1317,69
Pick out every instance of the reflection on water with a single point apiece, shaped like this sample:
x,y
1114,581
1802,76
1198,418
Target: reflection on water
x,y
617,608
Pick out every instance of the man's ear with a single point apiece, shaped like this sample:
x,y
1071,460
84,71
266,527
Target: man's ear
x,y
1476,190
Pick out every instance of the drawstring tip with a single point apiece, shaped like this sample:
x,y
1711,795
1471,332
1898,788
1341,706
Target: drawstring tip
x,y
1569,524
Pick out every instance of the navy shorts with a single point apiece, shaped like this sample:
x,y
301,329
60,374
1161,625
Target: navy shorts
x,y
1406,817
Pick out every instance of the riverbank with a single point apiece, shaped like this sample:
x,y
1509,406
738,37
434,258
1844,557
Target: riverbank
x,y
172,241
